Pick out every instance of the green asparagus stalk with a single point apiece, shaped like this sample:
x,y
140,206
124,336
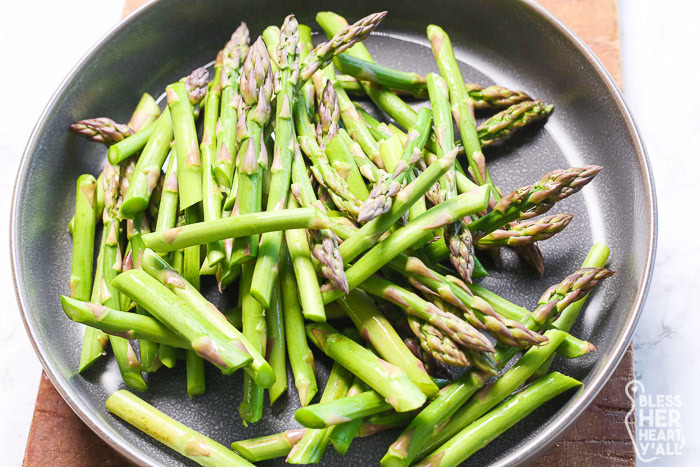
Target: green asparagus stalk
x,y
124,354
175,313
343,151
448,323
167,210
438,345
189,272
309,290
376,329
482,431
344,39
101,130
501,125
341,410
478,312
597,257
400,82
173,434
120,323
189,164
255,330
444,132
462,105
130,145
525,233
370,233
276,343
83,237
212,197
310,448
387,379
403,451
268,447
288,52
381,196
145,113
215,323
343,434
384,421
236,226
411,83
232,56
94,340
301,358
404,237
148,168
255,86
491,395
328,112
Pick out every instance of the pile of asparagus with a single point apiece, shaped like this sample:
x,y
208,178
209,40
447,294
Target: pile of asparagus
x,y
294,197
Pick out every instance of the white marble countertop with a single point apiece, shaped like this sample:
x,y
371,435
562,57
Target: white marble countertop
x,y
658,51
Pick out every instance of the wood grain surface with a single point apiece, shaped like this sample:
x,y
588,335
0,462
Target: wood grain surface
x,y
59,438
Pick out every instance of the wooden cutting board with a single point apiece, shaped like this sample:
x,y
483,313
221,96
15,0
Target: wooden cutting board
x,y
59,438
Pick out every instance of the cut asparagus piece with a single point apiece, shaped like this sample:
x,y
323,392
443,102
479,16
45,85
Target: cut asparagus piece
x,y
387,379
375,328
268,447
173,434
482,431
236,226
172,311
301,358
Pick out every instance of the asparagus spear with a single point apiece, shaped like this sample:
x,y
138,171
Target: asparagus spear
x,y
301,358
462,105
478,312
439,345
101,130
174,312
344,39
491,97
458,330
376,329
597,257
404,237
489,396
343,434
189,164
256,90
232,55
309,290
83,238
276,343
328,115
212,197
173,434
381,196
145,113
239,226
341,410
408,82
403,451
268,447
310,448
255,330
130,145
128,363
94,340
482,431
370,233
384,421
501,125
205,312
536,199
288,52
388,380
524,233
148,168
120,323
